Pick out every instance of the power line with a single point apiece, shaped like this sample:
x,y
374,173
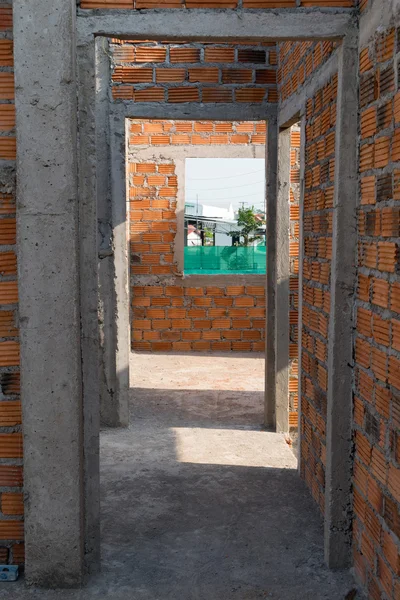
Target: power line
x,y
226,177
231,187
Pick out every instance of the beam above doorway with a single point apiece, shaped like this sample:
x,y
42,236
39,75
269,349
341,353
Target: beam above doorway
x,y
276,25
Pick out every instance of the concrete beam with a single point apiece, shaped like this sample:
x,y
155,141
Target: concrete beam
x,y
271,158
341,322
49,294
282,283
192,111
197,25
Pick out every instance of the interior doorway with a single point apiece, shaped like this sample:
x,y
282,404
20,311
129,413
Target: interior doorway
x,y
83,461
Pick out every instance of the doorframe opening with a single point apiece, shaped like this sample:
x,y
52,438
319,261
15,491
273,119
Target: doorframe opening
x,y
83,469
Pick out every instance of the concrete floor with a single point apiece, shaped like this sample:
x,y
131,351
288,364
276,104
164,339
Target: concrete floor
x,y
199,502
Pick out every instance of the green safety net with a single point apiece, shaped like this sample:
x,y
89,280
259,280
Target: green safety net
x,y
215,260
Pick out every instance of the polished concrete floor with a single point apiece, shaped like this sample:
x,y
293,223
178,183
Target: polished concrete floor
x,y
199,502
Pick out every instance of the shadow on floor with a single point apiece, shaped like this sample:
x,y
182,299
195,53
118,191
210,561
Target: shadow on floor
x,y
199,502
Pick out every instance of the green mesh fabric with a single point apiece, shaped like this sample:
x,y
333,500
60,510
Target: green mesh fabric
x,y
208,260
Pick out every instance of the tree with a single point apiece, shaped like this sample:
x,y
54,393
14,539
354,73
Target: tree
x,y
248,223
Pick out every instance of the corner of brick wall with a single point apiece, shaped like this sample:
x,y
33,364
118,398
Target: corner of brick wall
x,y
11,499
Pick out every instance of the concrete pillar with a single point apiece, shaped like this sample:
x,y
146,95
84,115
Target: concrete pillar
x,y
86,77
271,160
111,224
343,281
48,273
276,414
120,283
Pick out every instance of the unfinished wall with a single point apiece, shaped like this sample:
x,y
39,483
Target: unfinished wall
x,y
267,4
294,239
377,337
298,61
196,72
169,311
11,501
317,239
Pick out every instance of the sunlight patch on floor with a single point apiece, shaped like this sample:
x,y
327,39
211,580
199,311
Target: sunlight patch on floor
x,y
235,447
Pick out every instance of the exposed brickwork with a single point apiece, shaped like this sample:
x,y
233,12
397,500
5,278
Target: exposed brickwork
x,y
317,232
197,72
377,341
264,4
298,61
294,207
11,506
166,314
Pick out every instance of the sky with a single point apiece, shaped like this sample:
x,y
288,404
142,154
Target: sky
x,y
221,181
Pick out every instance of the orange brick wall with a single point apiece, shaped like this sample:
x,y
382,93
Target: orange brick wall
x,y
317,238
294,201
197,72
166,313
377,343
11,505
265,4
297,63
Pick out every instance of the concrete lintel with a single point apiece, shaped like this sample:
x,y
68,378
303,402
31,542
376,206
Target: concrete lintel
x,y
295,104
282,261
49,292
271,158
274,25
341,322
191,111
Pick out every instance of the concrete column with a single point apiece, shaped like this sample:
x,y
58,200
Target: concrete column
x,y
282,282
119,408
89,298
48,273
341,323
271,160
278,271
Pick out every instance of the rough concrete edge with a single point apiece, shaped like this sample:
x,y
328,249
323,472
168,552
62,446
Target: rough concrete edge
x,y
86,152
107,326
311,24
118,145
244,111
271,159
377,18
340,340
282,283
